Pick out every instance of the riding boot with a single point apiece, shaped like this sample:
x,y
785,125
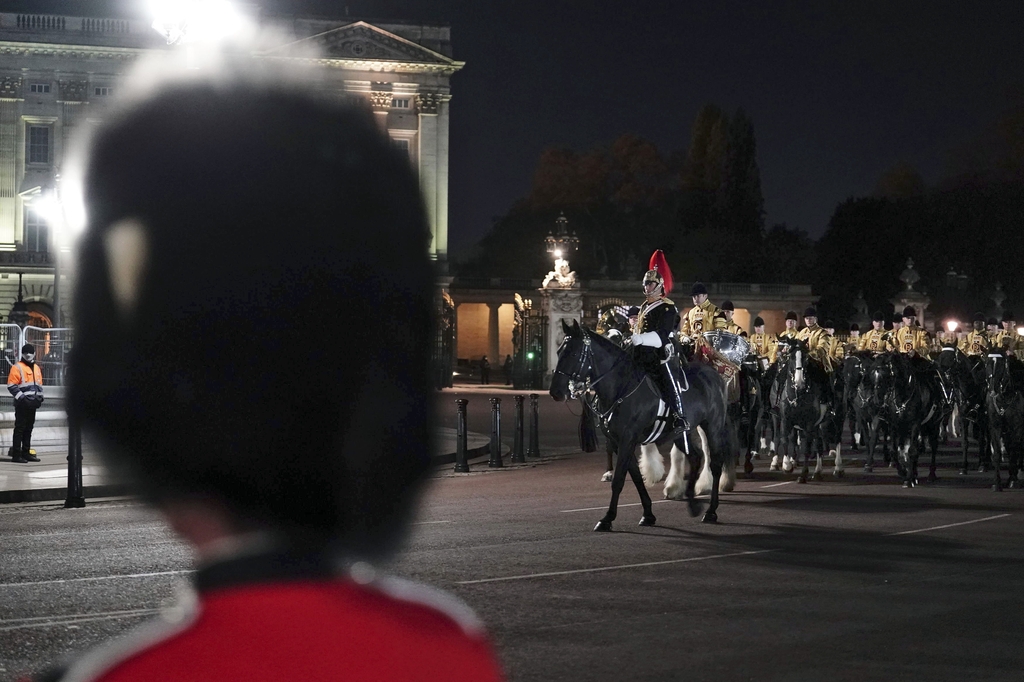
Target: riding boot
x,y
673,397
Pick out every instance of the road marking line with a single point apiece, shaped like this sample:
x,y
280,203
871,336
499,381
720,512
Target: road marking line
x,y
427,523
70,619
948,525
74,621
631,504
612,568
101,577
776,485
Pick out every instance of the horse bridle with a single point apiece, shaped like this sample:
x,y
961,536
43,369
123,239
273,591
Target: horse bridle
x,y
584,369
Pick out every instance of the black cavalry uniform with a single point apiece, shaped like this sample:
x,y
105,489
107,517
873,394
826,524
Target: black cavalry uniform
x,y
661,317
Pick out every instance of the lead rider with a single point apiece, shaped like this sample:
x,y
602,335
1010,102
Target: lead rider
x,y
652,341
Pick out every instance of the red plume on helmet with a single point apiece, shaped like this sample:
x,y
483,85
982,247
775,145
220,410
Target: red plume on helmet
x,y
660,264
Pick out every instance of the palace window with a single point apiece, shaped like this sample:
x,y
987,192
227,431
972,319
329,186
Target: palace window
x,y
400,103
401,144
37,144
103,91
39,88
37,232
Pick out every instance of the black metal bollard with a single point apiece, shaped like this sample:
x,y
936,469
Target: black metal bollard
x,y
76,496
461,465
534,449
518,456
495,458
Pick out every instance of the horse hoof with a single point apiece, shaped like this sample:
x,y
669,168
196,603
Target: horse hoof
x,y
603,526
997,488
982,469
908,484
748,468
607,476
694,507
710,517
647,520
773,467
801,479
868,469
963,472
839,474
816,476
932,478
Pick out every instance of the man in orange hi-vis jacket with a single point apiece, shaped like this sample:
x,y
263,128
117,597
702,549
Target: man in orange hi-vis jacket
x,y
25,382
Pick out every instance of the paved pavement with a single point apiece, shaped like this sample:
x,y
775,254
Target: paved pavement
x,y
852,579
47,479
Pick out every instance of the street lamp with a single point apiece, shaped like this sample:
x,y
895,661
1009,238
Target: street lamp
x,y
561,241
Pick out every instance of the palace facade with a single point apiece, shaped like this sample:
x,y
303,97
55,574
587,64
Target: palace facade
x,y
58,73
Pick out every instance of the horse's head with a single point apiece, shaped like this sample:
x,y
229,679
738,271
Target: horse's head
x,y
997,373
575,361
879,378
793,362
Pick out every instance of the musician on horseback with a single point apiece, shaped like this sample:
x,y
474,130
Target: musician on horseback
x,y
976,341
704,315
816,338
876,340
764,345
652,339
1008,339
911,338
790,331
728,310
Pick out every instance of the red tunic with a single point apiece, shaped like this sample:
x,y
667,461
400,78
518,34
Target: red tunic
x,y
306,629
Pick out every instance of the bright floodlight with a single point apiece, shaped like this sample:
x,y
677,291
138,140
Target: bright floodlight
x,y
187,21
47,206
558,253
951,325
1020,331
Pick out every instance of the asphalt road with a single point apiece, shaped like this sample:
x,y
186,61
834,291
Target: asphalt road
x,y
856,579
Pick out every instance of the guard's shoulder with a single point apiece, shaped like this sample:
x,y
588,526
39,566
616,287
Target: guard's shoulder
x,y
668,301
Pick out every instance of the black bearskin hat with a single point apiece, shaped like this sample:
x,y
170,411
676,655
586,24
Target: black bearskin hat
x,y
336,460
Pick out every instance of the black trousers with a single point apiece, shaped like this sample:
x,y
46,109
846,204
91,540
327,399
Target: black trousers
x,y
24,420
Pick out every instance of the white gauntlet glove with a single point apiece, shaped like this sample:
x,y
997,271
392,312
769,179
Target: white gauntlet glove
x,y
649,339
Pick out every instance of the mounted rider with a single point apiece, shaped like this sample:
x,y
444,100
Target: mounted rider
x,y
1008,339
976,341
764,345
703,316
911,338
876,340
728,310
791,331
817,339
854,341
836,350
652,339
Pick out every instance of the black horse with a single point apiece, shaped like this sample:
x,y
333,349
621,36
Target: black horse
x,y
1005,407
632,412
750,408
964,384
804,396
909,399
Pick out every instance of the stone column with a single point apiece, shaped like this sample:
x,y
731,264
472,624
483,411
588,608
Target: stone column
x,y
493,333
10,113
559,305
427,104
441,226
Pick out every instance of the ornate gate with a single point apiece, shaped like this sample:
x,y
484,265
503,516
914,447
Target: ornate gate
x,y
528,334
443,352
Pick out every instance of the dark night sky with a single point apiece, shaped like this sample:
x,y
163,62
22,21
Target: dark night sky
x,y
838,91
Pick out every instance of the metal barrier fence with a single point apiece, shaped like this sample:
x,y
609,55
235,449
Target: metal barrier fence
x,y
52,346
